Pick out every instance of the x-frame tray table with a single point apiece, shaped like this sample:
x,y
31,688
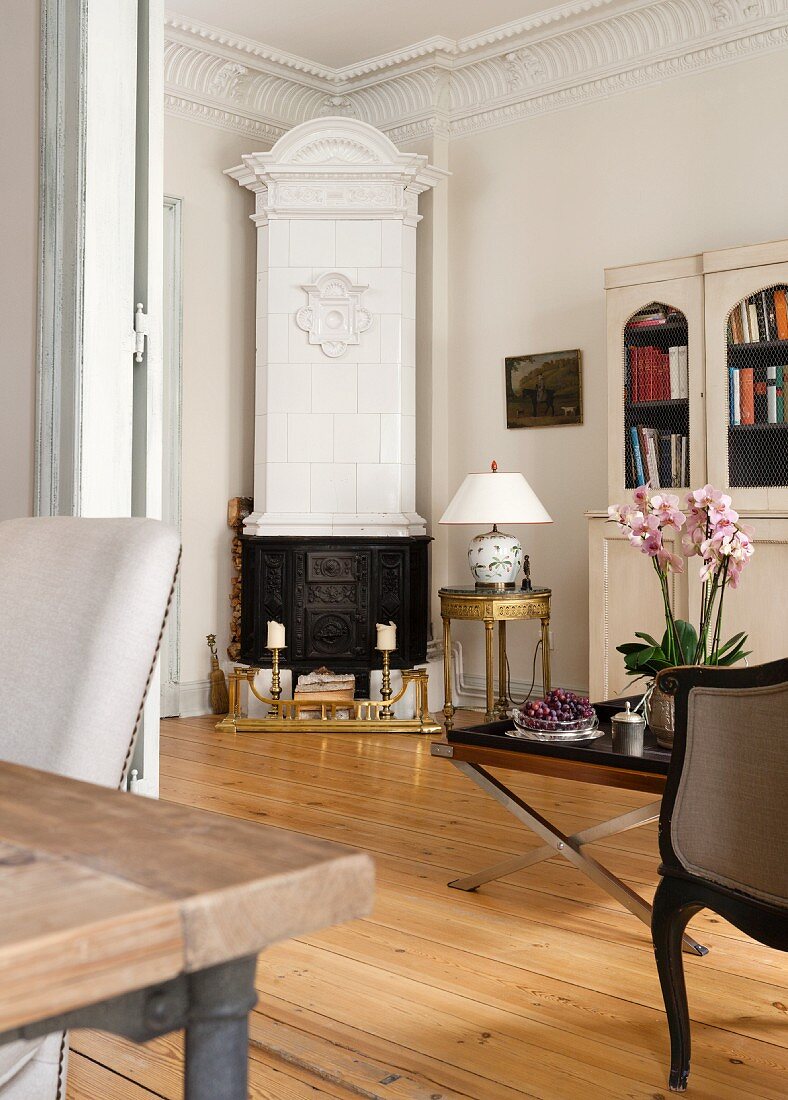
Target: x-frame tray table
x,y
473,751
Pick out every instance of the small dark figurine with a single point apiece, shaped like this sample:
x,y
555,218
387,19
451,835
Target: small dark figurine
x,y
526,585
220,701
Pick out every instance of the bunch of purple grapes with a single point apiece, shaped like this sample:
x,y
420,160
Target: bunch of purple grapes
x,y
559,710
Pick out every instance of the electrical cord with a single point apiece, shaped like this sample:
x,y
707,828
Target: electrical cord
x,y
509,697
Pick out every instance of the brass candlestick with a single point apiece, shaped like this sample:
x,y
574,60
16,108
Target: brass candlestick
x,y
385,688
276,684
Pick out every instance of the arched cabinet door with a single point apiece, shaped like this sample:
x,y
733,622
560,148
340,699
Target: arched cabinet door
x,y
656,425
747,374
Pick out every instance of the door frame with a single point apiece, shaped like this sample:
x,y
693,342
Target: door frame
x,y
172,327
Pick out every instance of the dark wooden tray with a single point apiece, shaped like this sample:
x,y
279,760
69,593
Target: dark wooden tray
x,y
599,751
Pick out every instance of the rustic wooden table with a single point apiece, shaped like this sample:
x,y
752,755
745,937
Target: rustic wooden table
x,y
140,917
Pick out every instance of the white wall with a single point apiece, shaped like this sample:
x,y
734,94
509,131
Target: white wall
x,y
218,371
536,211
19,138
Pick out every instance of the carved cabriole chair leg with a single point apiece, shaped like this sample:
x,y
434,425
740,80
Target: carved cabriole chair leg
x,y
673,909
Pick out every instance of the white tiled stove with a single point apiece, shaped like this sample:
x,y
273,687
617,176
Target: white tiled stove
x,y
335,425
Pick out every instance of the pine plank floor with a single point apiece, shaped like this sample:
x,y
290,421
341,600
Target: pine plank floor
x,y
538,986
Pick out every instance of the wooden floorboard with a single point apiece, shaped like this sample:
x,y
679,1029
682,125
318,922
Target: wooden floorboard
x,y
538,986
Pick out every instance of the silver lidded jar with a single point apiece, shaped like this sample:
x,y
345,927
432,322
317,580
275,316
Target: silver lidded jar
x,y
628,730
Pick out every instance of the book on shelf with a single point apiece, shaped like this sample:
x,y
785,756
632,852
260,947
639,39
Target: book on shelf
x,y
655,315
761,318
654,374
658,459
758,397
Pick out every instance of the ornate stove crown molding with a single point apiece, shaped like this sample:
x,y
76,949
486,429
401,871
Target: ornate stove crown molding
x,y
580,52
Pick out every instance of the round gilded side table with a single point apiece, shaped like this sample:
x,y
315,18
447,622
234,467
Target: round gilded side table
x,y
491,606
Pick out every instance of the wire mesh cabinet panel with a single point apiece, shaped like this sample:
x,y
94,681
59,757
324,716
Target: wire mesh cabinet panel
x,y
747,378
656,417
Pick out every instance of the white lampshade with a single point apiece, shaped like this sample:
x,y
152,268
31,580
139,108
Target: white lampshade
x,y
495,498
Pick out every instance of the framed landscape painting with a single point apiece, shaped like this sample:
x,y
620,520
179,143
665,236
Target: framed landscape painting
x,y
544,390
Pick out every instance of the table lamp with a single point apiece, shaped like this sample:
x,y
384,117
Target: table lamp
x,y
494,557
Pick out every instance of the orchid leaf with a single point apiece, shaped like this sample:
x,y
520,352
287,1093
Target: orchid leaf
x,y
646,638
738,654
737,640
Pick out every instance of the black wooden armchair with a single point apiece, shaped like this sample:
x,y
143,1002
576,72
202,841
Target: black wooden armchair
x,y
723,828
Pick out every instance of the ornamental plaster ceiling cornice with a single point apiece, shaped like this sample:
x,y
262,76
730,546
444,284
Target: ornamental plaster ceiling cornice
x,y
576,53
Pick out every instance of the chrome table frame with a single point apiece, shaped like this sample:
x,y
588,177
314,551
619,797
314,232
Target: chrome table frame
x,y
557,843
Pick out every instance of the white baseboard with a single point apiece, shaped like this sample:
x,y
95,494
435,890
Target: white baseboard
x,y
195,698
470,689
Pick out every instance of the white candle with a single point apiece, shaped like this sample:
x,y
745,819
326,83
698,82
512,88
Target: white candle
x,y
387,636
276,635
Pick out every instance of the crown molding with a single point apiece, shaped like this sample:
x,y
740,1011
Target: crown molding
x,y
580,52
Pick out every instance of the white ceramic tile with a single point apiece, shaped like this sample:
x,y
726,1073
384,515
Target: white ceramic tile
x,y
390,438
378,388
333,487
312,244
278,333
286,292
261,390
385,289
408,439
261,341
390,338
377,487
356,438
358,243
408,342
279,243
391,244
259,486
409,248
368,348
335,387
408,391
260,438
262,294
289,388
262,248
408,294
310,437
299,348
287,487
408,491
276,451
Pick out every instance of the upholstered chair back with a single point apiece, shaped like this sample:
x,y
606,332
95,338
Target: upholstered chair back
x,y
82,605
82,608
730,818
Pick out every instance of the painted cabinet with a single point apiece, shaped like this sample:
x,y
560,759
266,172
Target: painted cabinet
x,y
723,420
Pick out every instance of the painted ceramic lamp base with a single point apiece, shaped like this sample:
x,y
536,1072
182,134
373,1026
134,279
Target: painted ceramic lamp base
x,y
495,559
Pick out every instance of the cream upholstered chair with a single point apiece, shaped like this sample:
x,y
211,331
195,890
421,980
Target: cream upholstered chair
x,y
82,607
723,827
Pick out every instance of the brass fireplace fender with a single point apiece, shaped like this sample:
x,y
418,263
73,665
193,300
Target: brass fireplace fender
x,y
367,715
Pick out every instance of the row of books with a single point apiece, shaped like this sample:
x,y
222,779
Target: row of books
x,y
762,317
659,459
755,401
655,315
657,375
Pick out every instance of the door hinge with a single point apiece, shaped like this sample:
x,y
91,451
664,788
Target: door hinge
x,y
140,332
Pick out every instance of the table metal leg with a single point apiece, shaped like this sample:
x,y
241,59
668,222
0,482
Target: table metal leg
x,y
488,654
556,843
546,655
448,708
503,702
217,1031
